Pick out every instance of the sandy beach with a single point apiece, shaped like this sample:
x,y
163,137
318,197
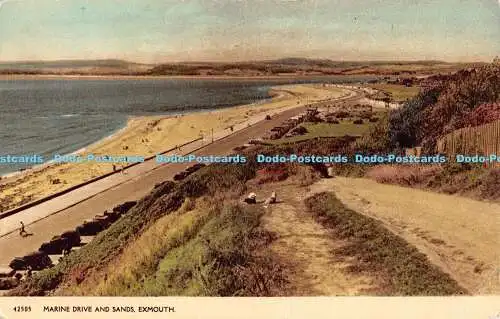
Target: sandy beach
x,y
147,136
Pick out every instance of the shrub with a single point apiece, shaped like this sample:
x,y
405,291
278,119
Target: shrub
x,y
490,184
300,130
341,114
376,141
402,175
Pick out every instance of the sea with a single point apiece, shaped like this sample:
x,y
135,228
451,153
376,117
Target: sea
x,y
59,116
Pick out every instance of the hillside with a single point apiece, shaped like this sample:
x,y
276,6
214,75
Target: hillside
x,y
466,99
286,66
84,67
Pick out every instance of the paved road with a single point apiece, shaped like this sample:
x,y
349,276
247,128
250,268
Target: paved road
x,y
70,210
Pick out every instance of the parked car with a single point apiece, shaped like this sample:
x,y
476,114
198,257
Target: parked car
x,y
6,272
195,167
239,148
36,260
180,176
8,283
55,246
90,228
112,216
125,207
73,236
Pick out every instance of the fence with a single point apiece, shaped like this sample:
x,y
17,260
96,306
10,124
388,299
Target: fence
x,y
481,140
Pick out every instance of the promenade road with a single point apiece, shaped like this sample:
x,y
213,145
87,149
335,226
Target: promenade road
x,y
67,211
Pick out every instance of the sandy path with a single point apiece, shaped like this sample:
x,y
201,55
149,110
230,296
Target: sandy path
x,y
460,235
305,248
146,136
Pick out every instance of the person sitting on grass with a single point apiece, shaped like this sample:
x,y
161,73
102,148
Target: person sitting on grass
x,y
271,200
251,199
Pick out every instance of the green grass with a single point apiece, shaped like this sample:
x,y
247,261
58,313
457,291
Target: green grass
x,y
399,93
399,267
215,262
318,130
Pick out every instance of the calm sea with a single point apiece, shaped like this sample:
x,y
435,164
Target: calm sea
x,y
52,116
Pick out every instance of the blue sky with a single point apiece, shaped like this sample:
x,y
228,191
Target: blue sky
x,y
218,30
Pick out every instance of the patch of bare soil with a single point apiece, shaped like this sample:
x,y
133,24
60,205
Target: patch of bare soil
x,y
305,248
459,235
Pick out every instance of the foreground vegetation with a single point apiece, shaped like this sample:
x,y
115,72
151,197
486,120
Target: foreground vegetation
x,y
164,200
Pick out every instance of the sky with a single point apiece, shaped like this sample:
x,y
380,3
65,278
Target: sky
x,y
152,31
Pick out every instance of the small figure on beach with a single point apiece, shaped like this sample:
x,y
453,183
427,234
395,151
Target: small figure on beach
x,y
231,128
114,168
22,230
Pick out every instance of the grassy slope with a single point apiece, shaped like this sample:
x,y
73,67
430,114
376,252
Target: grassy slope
x,y
205,251
399,93
318,130
109,244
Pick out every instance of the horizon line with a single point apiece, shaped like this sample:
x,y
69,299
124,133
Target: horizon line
x,y
130,61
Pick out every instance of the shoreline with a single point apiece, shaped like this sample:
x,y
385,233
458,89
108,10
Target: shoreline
x,y
8,177
161,132
16,174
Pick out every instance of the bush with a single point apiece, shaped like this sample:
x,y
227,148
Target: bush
x,y
341,114
403,175
377,140
456,103
490,184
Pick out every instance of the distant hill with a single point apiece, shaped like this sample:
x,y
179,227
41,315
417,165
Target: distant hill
x,y
62,64
285,66
74,67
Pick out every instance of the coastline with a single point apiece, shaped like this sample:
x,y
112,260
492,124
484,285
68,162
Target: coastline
x,y
273,92
160,131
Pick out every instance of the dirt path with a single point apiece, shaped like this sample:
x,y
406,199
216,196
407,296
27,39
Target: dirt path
x,y
460,235
305,247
